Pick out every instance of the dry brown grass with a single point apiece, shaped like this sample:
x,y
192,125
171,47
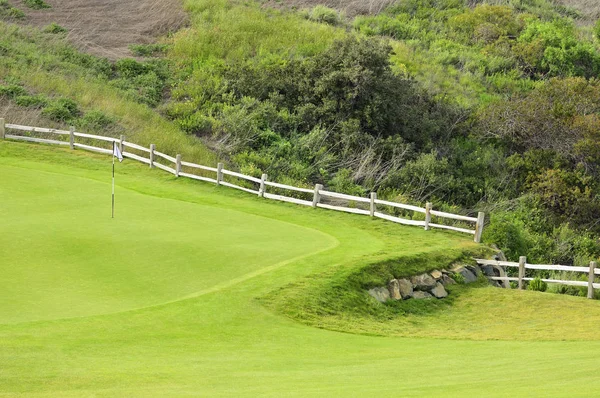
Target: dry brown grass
x,y
589,8
108,27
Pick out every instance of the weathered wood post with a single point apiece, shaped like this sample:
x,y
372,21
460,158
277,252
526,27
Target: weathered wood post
x,y
317,195
121,139
479,226
522,261
219,173
428,207
72,137
591,278
177,165
152,149
2,128
373,207
263,186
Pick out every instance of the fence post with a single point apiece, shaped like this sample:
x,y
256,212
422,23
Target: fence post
x,y
591,280
72,137
522,261
428,207
177,165
317,196
121,139
479,226
2,129
373,207
152,149
263,186
219,173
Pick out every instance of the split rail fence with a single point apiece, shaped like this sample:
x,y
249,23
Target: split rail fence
x,y
522,265
153,158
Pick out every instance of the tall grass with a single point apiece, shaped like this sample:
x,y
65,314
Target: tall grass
x,y
221,30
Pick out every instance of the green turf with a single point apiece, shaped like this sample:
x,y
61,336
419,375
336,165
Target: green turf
x,y
165,300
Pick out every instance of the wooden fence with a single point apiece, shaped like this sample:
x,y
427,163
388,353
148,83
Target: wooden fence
x,y
174,165
522,265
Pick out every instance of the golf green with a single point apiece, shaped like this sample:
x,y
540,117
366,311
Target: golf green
x,y
164,299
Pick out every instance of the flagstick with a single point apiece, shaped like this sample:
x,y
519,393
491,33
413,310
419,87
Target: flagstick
x,y
113,182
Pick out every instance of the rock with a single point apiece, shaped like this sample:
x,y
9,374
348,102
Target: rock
x,y
394,289
468,275
423,282
446,280
406,288
438,291
488,270
436,274
445,271
421,295
474,269
380,294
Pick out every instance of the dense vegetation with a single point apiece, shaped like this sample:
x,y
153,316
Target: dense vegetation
x,y
466,104
471,105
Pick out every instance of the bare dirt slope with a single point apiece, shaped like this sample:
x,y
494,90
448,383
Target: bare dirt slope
x,y
108,27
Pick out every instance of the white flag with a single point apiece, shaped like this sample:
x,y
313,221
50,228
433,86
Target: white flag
x,y
117,152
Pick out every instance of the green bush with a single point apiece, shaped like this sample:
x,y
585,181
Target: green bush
x,y
54,28
12,91
537,285
31,101
94,121
147,50
36,4
325,14
61,110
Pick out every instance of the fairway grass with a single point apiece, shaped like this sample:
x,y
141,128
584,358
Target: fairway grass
x,y
166,299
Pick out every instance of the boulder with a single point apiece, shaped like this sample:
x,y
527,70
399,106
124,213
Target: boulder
x,y
406,288
436,274
474,269
423,282
394,289
468,275
421,295
438,291
488,270
446,280
380,294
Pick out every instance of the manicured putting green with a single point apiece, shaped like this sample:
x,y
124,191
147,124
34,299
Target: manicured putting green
x,y
164,300
72,259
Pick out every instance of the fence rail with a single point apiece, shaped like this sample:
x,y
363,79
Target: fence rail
x,y
522,265
318,193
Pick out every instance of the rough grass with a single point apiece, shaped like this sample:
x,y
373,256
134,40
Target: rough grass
x,y
208,254
34,59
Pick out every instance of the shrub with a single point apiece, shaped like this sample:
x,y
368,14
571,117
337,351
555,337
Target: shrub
x,y
31,101
537,285
95,120
36,4
12,91
507,232
146,50
325,14
61,110
54,28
